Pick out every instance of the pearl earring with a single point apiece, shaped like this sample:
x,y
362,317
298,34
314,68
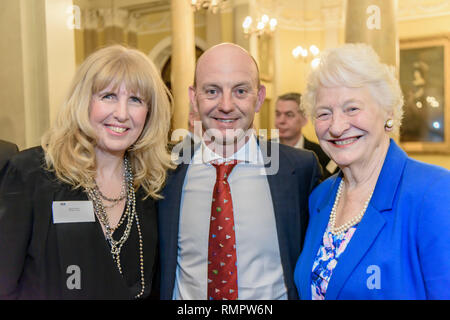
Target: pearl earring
x,y
389,124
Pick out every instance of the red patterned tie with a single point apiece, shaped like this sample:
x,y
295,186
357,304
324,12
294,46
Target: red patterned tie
x,y
222,268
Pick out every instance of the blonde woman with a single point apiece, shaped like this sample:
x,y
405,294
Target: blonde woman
x,y
77,215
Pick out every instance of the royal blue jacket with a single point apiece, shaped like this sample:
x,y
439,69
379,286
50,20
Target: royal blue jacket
x,y
401,247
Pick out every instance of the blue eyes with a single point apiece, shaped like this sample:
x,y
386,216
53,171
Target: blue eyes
x,y
108,96
113,97
136,99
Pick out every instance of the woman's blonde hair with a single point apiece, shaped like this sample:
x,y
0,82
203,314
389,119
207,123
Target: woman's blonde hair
x,y
69,144
355,66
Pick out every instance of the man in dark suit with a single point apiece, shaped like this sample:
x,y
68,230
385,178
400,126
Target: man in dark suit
x,y
289,120
265,206
7,150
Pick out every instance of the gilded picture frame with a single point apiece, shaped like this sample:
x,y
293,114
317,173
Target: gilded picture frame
x,y
425,81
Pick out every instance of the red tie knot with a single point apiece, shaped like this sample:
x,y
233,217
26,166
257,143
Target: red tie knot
x,y
223,170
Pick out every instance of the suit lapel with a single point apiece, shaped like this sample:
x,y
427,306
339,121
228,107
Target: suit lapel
x,y
169,215
373,220
280,173
316,228
279,185
365,235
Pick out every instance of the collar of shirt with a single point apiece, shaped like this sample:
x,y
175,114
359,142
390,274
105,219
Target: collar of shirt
x,y
300,143
249,153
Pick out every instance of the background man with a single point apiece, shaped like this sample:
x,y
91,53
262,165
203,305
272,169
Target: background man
x,y
289,120
262,217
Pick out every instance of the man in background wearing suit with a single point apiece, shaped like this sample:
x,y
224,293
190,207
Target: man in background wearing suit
x,y
289,120
233,234
7,150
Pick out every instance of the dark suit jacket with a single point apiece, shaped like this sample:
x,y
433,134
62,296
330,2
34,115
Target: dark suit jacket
x,y
7,150
323,158
35,253
297,175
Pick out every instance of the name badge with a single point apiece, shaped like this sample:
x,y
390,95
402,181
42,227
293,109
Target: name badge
x,y
73,211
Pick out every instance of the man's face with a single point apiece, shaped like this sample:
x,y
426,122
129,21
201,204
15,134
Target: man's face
x,y
226,95
288,120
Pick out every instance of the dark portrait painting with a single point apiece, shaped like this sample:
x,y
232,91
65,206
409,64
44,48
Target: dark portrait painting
x,y
423,79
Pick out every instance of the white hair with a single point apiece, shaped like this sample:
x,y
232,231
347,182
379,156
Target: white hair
x,y
356,65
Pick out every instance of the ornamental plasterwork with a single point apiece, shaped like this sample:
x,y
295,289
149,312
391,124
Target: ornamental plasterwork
x,y
418,9
291,14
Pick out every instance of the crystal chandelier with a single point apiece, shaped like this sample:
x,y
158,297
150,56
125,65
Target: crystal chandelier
x,y
212,5
312,56
263,25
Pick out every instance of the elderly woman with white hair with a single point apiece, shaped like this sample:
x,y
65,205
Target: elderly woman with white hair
x,y
379,229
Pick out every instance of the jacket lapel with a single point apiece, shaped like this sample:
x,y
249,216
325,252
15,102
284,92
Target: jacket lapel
x,y
280,174
279,185
169,215
316,228
373,220
365,235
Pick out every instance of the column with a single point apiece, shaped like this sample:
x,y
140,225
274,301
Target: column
x,y
60,52
132,30
90,37
183,60
331,16
114,24
38,62
374,22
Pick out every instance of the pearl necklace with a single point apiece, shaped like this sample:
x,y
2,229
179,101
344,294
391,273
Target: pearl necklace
x,y
356,219
129,214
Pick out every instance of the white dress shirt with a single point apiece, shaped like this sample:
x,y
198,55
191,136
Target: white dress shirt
x,y
300,143
260,274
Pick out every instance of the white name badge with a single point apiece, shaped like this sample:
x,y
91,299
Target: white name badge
x,y
73,211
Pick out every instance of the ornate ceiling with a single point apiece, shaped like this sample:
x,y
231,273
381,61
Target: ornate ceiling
x,y
291,14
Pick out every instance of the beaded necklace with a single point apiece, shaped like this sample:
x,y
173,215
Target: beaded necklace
x,y
356,219
129,215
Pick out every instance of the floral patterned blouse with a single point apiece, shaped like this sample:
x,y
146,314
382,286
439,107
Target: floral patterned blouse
x,y
326,260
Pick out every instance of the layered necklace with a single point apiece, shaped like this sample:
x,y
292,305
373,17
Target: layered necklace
x,y
129,215
355,220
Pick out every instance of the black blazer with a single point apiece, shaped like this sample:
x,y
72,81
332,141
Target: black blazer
x,y
323,158
36,254
290,187
7,150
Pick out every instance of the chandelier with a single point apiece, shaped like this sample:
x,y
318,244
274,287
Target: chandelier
x,y
264,25
308,56
212,5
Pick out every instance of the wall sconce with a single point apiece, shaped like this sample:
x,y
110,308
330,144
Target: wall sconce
x,y
264,25
302,53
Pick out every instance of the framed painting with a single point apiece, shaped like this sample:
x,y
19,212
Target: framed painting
x,y
425,81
